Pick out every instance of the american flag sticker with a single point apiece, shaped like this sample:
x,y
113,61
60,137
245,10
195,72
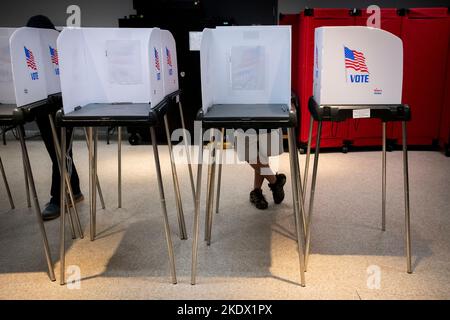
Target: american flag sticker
x,y
54,58
355,66
31,63
157,64
169,61
54,55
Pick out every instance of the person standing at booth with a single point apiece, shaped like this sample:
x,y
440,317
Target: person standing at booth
x,y
256,150
52,209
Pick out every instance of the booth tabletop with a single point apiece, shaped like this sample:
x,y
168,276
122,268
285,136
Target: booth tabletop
x,y
112,114
256,116
389,112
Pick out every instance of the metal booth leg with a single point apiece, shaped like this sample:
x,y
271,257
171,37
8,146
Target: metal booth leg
x,y
406,190
210,191
311,198
208,182
178,202
92,180
197,211
25,174
219,173
5,180
383,179
62,233
308,155
296,198
163,206
119,169
37,209
188,153
71,198
100,193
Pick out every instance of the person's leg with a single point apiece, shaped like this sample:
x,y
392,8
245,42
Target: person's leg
x,y
263,171
276,181
51,210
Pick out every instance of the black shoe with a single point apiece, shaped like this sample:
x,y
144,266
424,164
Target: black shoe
x,y
50,212
258,199
277,188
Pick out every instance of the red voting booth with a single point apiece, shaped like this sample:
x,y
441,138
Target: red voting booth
x,y
445,119
367,132
425,33
333,134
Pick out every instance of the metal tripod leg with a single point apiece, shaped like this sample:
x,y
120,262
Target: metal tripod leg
x,y
197,212
308,155
92,181
311,198
188,152
119,169
406,191
71,198
62,233
383,179
210,189
210,204
163,206
178,202
219,173
296,198
94,141
5,180
100,193
37,209
25,174
208,182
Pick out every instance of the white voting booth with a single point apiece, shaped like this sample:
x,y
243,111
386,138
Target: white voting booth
x,y
246,83
110,65
22,73
246,65
115,77
23,83
358,73
357,65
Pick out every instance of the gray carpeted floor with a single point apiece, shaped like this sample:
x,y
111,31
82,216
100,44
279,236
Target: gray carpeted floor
x,y
253,253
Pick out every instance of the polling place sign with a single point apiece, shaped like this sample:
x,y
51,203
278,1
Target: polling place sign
x,y
357,65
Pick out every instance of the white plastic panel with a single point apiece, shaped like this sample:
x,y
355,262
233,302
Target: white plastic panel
x,y
27,66
48,39
246,65
7,95
108,65
357,65
156,68
170,65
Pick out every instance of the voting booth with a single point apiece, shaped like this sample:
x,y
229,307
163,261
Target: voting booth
x,y
116,77
358,75
109,65
352,66
23,92
246,84
245,65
